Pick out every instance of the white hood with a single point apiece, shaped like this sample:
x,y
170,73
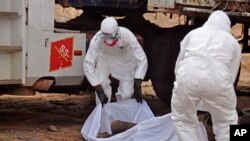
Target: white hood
x,y
218,20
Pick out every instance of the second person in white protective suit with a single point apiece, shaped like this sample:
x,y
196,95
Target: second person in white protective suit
x,y
206,69
115,51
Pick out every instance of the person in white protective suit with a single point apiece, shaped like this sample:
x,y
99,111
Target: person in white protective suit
x,y
206,69
115,51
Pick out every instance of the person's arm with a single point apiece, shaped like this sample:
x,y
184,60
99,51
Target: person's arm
x,y
141,61
236,61
89,64
89,67
139,54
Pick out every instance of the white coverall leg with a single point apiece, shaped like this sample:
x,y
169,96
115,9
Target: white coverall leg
x,y
125,90
183,107
223,112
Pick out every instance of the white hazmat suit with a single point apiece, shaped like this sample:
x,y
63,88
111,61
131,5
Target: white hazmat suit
x,y
206,69
119,55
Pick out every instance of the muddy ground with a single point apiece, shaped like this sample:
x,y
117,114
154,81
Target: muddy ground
x,y
59,117
53,116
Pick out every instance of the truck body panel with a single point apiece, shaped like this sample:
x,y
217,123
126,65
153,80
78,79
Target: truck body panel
x,y
128,4
30,49
202,8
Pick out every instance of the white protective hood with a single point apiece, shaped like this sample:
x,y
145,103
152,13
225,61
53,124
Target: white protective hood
x,y
218,20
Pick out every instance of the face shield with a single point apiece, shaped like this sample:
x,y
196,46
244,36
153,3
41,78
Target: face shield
x,y
107,36
109,39
109,31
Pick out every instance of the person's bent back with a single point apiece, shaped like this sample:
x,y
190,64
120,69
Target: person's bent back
x,y
205,71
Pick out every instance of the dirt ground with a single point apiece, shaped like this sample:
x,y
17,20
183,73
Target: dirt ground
x,y
59,117
53,116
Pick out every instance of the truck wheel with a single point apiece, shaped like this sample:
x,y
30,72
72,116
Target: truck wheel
x,y
163,90
163,55
162,51
162,72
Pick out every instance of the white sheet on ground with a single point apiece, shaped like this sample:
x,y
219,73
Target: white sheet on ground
x,y
148,128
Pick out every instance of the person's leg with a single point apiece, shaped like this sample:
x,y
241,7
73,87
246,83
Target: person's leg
x,y
184,113
222,107
125,90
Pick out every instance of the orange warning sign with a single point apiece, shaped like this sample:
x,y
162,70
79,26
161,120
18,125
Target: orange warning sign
x,y
61,54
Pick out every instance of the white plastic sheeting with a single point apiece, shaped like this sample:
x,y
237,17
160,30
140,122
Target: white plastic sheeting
x,y
148,127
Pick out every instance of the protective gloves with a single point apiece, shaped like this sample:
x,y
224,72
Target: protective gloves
x,y
137,90
101,95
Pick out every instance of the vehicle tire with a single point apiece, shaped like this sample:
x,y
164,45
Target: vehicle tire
x,y
163,51
163,90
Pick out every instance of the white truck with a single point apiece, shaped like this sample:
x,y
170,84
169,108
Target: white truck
x,y
161,45
32,53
